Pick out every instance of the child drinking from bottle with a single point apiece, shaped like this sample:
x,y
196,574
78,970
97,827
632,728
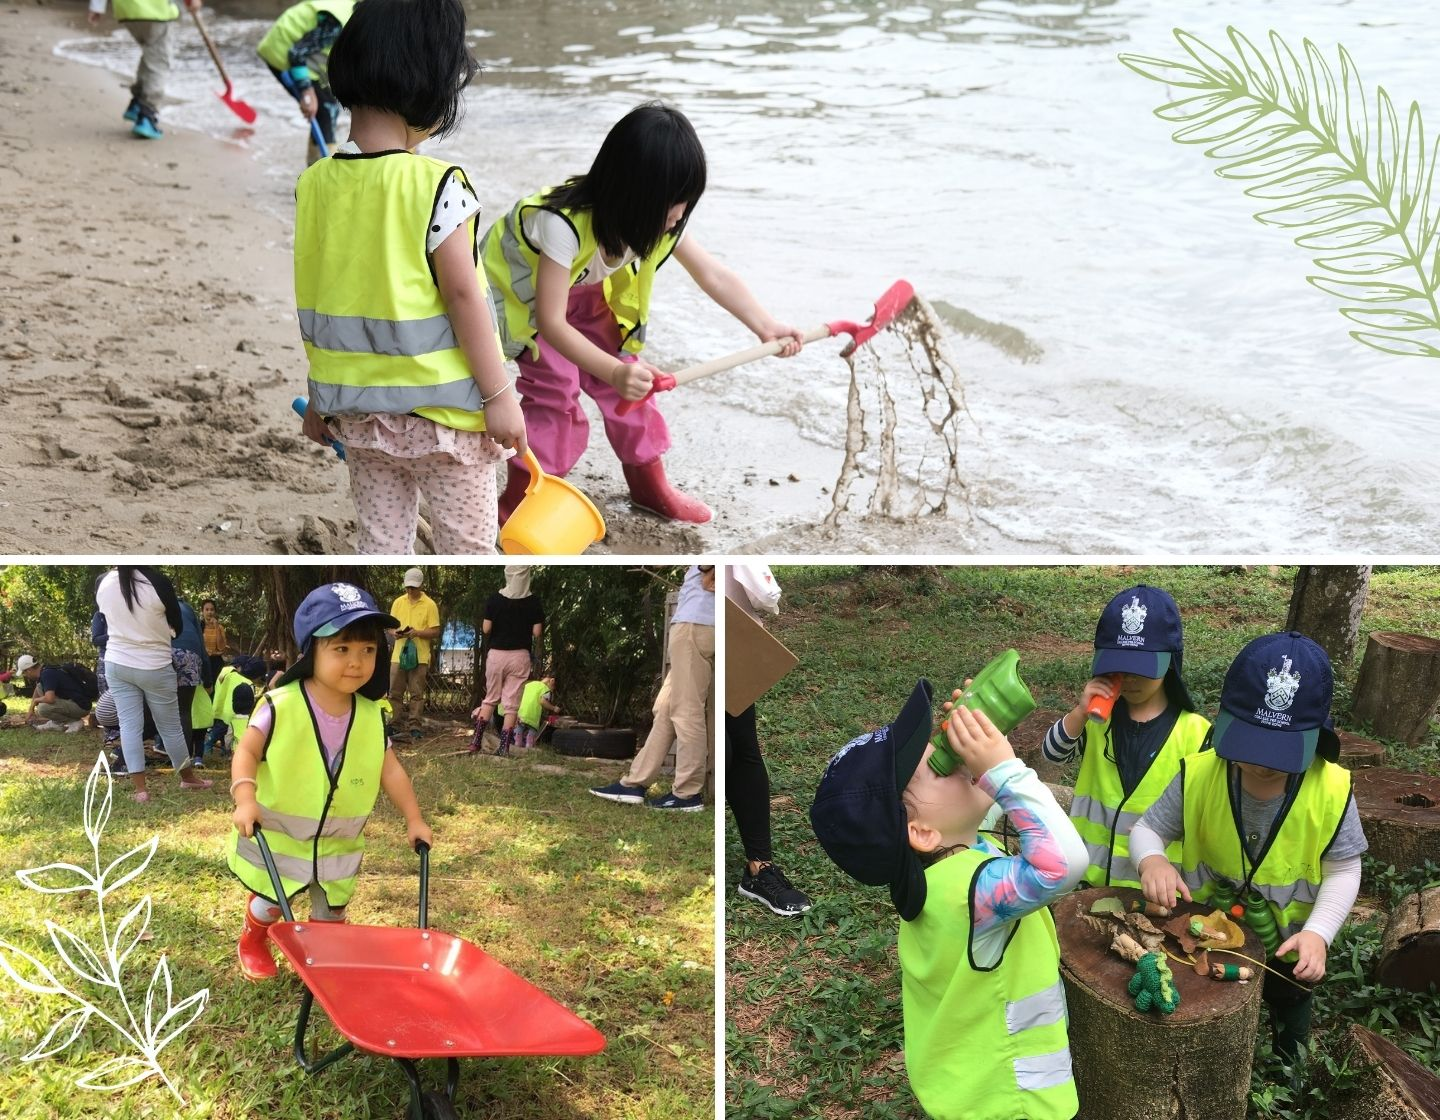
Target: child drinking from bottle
x,y
404,361
311,764
1129,756
575,265
1266,822
975,937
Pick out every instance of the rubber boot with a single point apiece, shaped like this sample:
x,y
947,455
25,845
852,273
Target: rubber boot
x,y
651,490
507,739
516,479
254,949
478,739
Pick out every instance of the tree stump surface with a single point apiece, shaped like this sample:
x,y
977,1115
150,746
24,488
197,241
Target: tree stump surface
x,y
1410,949
1400,813
1391,1086
1357,752
1128,1063
1399,685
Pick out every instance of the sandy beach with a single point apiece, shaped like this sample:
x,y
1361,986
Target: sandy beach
x,y
149,346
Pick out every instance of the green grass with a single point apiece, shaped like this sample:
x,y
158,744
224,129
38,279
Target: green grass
x,y
609,909
813,1004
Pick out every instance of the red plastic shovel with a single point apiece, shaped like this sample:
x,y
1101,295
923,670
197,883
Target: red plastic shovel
x,y
896,298
233,103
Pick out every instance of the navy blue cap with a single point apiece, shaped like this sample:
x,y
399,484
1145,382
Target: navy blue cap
x,y
1275,705
333,606
858,816
1138,632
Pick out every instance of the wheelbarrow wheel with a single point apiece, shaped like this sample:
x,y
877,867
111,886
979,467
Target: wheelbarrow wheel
x,y
438,1107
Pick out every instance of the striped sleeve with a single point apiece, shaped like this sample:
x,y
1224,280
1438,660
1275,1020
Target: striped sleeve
x,y
1059,747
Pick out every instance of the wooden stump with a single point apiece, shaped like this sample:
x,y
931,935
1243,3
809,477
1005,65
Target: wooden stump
x,y
1399,685
1357,752
1391,1086
1400,813
1192,1063
1410,950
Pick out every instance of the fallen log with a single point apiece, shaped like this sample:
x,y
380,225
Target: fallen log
x,y
1391,1085
1410,949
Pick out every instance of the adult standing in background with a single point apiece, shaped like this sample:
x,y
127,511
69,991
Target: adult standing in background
x,y
510,630
217,642
419,620
142,613
681,707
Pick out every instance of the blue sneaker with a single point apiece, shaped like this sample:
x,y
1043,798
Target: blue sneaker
x,y
619,791
681,804
132,111
146,128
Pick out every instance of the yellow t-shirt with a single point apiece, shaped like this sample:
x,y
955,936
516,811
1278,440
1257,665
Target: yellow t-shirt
x,y
421,613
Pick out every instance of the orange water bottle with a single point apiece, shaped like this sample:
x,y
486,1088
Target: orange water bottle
x,y
1100,707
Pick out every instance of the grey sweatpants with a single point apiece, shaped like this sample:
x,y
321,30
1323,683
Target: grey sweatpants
x,y
154,39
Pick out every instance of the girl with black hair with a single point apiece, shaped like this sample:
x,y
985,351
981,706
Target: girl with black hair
x,y
142,614
575,265
404,366
311,764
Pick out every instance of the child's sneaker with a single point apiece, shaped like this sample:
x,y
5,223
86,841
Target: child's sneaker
x,y
145,127
49,725
72,728
132,111
769,887
619,791
680,804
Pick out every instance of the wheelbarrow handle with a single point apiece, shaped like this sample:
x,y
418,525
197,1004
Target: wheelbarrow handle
x,y
424,850
284,902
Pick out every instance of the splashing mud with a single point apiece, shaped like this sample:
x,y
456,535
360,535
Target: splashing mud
x,y
902,422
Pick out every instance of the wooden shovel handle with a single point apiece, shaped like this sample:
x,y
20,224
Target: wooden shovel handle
x,y
744,357
210,45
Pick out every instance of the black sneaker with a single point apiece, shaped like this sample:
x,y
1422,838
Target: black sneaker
x,y
769,887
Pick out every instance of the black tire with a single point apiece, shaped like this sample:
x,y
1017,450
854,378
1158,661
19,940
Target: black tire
x,y
595,742
437,1106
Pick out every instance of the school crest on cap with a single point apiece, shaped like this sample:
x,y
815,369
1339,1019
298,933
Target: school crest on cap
x,y
1281,685
1132,616
348,594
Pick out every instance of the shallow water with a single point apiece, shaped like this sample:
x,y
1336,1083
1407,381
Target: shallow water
x,y
1145,367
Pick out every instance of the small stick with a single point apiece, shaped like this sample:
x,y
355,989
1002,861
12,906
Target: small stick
x,y
1230,972
1151,909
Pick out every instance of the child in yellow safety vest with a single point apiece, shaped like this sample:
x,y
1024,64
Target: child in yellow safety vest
x,y
311,764
984,1009
1266,821
574,265
150,25
1128,756
297,50
405,364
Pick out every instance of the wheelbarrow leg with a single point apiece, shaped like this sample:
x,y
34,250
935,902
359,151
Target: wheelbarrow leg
x,y
306,1002
412,1075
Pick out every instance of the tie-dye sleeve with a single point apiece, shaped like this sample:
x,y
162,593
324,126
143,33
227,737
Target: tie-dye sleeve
x,y
1052,857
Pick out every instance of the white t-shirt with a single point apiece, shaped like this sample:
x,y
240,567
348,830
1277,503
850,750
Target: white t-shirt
x,y
558,241
138,638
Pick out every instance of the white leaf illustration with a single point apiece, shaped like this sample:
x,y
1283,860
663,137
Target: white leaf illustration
x,y
157,996
139,917
12,959
133,856
177,1019
117,1073
57,878
97,804
67,1028
79,956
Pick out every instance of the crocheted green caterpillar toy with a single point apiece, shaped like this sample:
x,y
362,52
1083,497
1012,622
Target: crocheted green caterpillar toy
x,y
1153,985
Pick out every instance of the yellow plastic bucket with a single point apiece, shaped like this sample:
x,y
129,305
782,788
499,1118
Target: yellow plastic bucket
x,y
553,519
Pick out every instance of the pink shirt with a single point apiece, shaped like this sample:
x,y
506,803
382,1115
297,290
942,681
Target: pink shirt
x,y
332,728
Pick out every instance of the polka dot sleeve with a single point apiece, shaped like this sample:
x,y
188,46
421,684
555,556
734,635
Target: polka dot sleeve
x,y
456,205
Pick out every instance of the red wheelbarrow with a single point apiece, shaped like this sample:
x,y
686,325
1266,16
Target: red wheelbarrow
x,y
419,993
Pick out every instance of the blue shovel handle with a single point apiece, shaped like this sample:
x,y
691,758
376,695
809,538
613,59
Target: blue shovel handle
x,y
300,404
319,138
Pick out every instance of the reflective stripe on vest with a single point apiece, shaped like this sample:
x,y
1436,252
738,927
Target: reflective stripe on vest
x,y
1104,816
982,1042
158,11
1288,878
294,23
371,315
313,820
511,262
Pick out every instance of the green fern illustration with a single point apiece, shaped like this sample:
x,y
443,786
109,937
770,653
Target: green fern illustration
x,y
1354,192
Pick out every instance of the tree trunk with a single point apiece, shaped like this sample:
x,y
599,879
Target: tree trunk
x,y
1399,685
1325,606
1410,951
1129,1063
1400,813
1357,752
1391,1084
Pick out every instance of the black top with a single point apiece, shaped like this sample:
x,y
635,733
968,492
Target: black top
x,y
513,620
57,680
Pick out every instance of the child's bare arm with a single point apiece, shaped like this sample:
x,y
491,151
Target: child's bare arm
x,y
632,380
396,784
244,765
724,286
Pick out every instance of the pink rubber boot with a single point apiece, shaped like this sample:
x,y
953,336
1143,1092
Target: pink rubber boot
x,y
651,490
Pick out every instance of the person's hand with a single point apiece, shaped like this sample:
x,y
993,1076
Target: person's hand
x,y
774,329
1161,882
93,18
976,741
1312,950
246,816
309,103
315,428
504,422
475,714
193,5
417,830
632,380
1095,686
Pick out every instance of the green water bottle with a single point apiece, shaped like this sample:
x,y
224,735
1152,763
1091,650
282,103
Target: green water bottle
x,y
996,690
1259,918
